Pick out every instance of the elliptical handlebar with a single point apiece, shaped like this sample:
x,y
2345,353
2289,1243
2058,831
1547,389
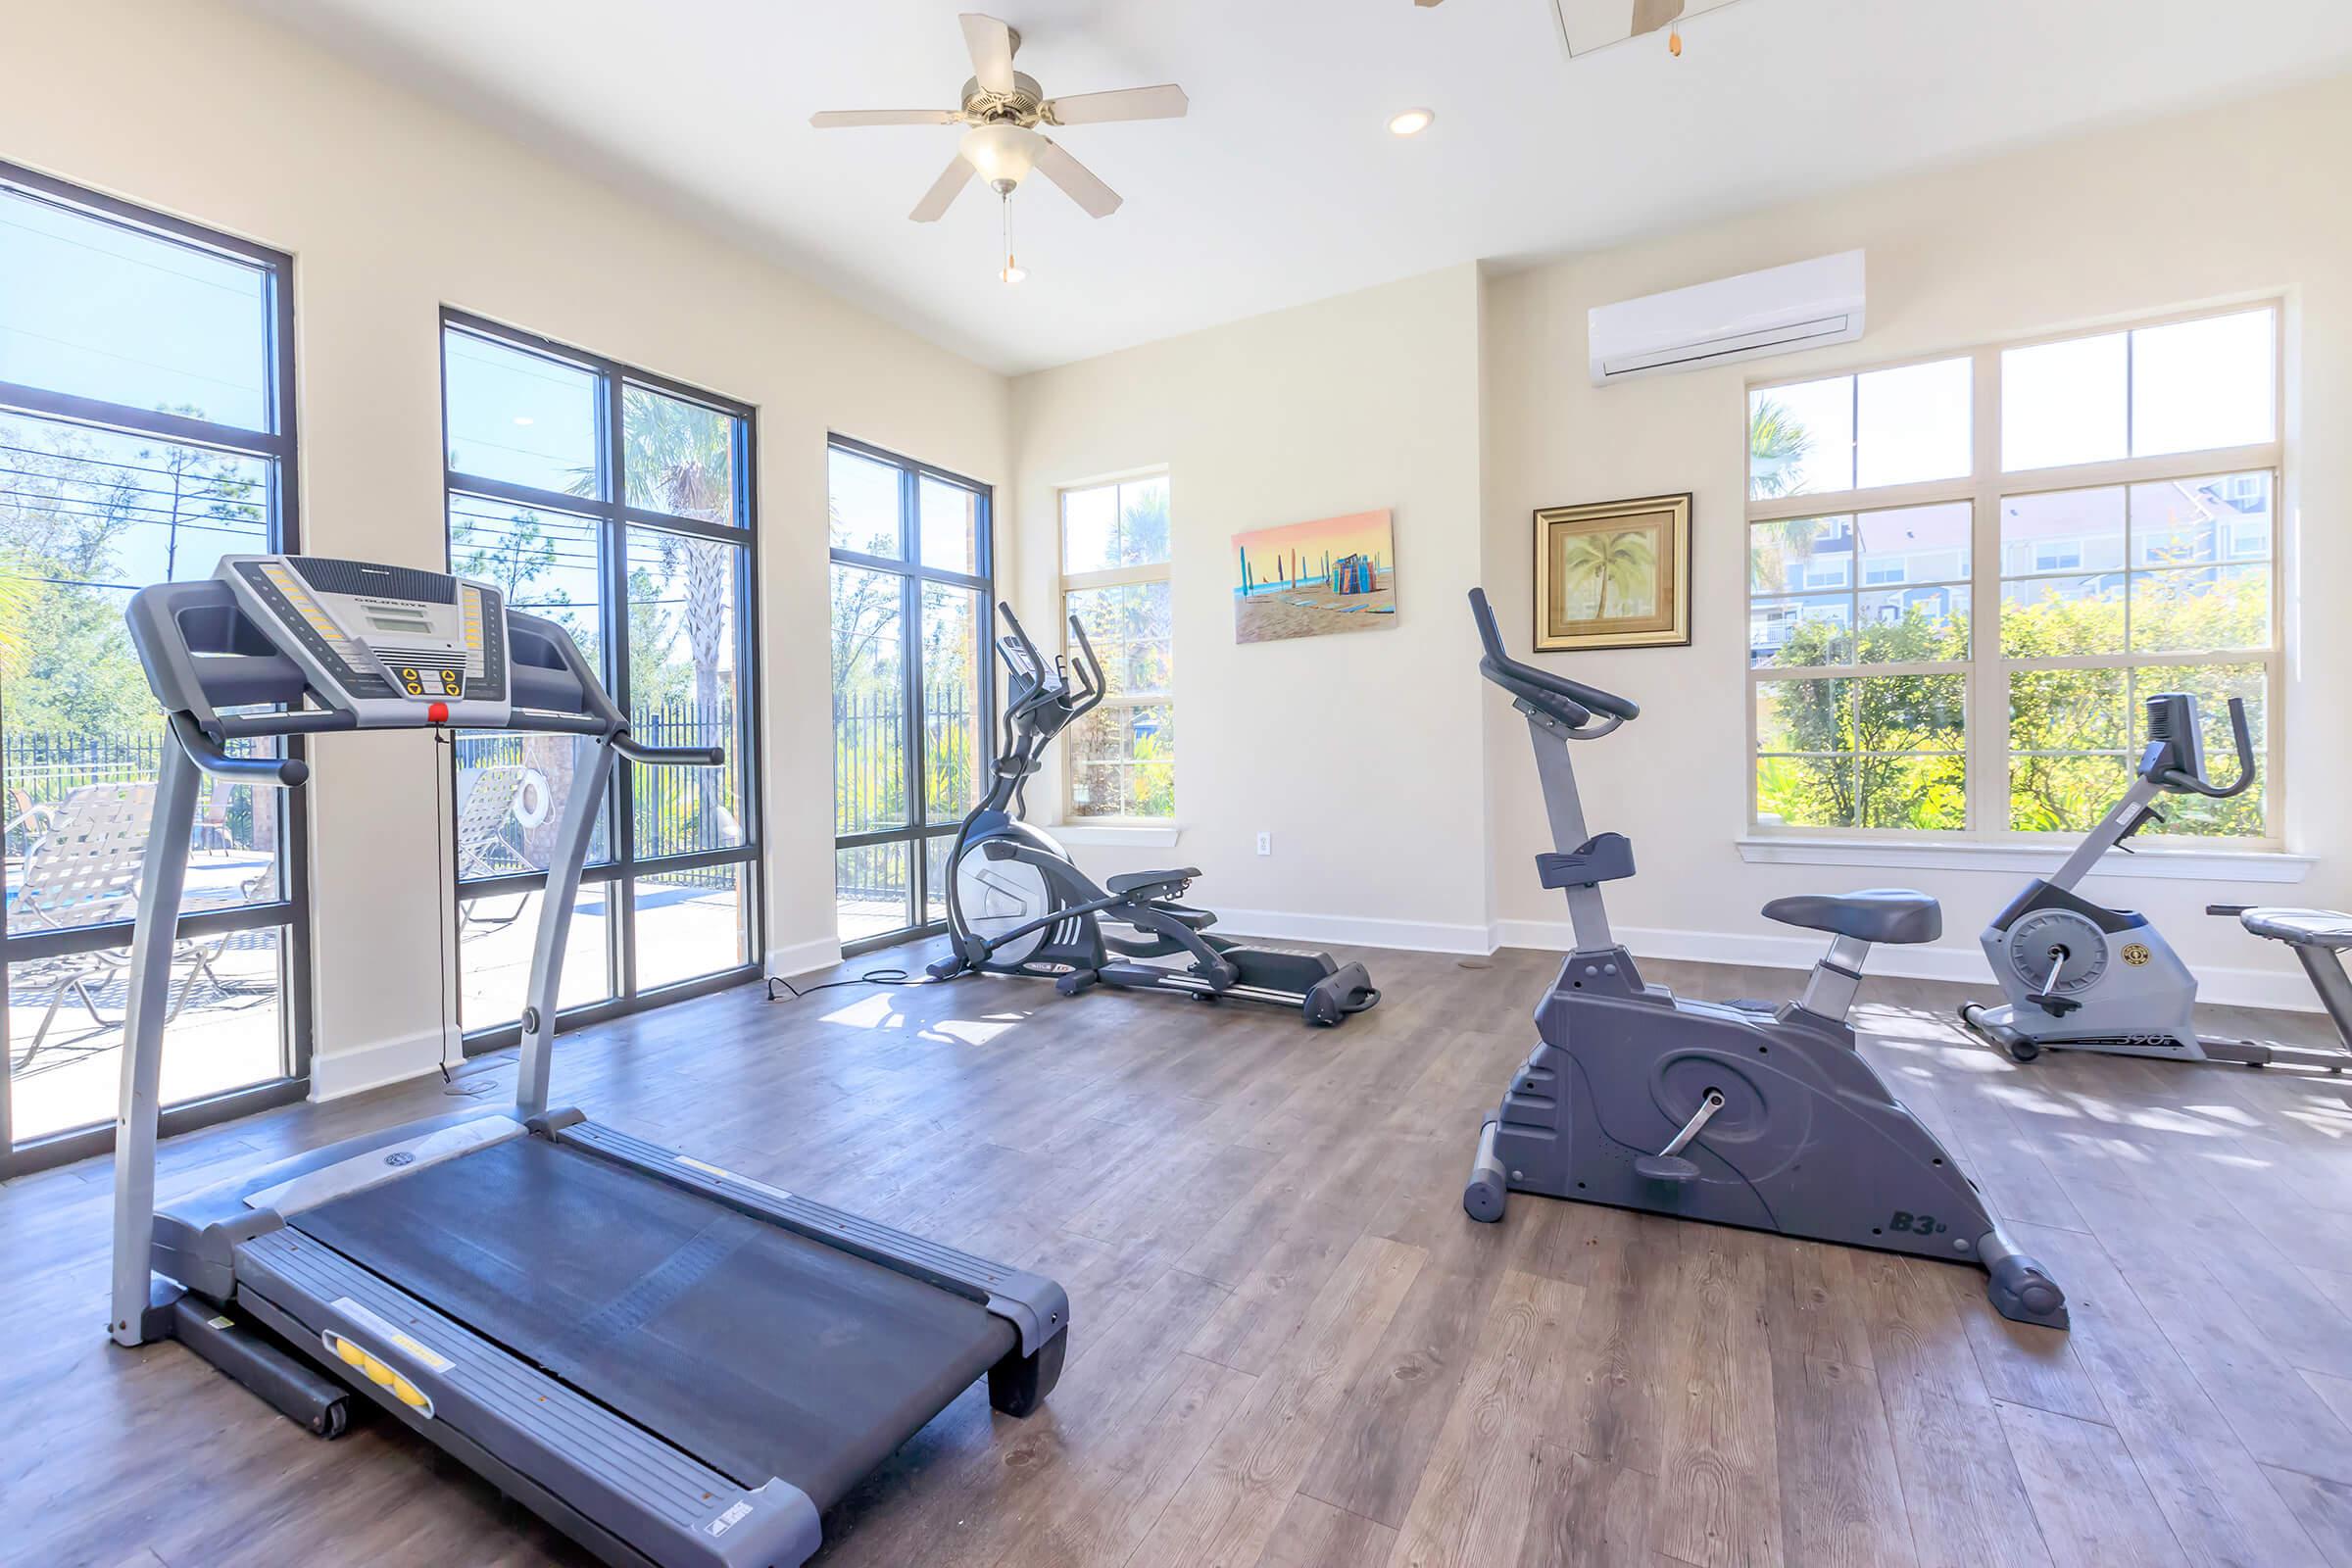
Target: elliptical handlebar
x,y
1571,701
2182,780
1089,670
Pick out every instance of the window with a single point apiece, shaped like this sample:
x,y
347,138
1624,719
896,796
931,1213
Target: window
x,y
914,681
1121,759
620,506
145,433
2023,588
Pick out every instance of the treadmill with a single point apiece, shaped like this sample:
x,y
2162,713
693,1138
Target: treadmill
x,y
670,1362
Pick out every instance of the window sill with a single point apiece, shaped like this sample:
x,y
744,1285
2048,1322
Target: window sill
x,y
2272,867
1127,833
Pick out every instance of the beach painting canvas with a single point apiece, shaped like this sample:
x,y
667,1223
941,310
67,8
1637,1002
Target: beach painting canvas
x,y
1303,580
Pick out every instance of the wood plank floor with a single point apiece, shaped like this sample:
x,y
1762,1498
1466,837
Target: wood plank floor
x,y
1290,1349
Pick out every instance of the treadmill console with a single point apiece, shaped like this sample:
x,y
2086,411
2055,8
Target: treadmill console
x,y
389,644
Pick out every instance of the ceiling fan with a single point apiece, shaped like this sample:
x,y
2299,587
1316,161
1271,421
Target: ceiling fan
x,y
1005,107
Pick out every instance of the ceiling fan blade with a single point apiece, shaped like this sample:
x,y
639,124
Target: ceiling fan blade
x,y
1652,15
991,44
1098,199
1128,103
943,191
833,118
1426,3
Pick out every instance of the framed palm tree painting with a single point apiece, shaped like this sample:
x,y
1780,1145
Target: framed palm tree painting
x,y
1614,574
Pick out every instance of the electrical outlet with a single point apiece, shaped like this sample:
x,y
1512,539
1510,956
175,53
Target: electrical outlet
x,y
1265,844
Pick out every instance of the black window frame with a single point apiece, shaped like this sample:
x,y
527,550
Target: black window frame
x,y
908,565
291,911
621,867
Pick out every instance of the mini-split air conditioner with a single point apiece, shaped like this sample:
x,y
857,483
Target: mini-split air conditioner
x,y
1778,311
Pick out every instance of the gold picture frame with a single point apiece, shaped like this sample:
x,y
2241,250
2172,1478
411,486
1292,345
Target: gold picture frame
x,y
1636,553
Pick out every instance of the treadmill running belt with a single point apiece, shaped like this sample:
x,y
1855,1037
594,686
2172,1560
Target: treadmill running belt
x,y
760,1351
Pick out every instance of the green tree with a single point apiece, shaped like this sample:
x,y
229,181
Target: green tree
x,y
1778,444
1888,748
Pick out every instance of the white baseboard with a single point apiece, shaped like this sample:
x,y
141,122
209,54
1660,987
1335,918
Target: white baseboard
x,y
336,1074
1354,931
2282,990
798,958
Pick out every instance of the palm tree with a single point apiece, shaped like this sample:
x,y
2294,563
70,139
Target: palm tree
x,y
1624,560
680,459
1777,447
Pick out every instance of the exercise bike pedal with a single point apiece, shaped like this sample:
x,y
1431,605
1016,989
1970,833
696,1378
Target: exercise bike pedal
x,y
1666,1168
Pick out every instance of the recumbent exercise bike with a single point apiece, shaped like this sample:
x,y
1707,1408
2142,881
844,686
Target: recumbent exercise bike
x,y
2081,976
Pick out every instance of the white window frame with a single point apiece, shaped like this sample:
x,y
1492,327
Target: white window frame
x,y
1988,670
1069,582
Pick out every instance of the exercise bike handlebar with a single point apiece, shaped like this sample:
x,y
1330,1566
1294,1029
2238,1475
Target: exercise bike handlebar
x,y
1572,701
2181,779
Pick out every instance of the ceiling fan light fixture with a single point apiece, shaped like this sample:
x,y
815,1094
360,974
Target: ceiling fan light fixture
x,y
1003,153
1412,122
1013,271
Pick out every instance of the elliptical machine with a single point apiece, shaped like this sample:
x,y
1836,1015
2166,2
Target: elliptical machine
x,y
1741,1114
1018,904
2081,976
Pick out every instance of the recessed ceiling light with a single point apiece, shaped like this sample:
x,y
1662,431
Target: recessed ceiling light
x,y
523,418
1411,123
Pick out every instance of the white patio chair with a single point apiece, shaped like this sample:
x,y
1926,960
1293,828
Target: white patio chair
x,y
85,871
489,838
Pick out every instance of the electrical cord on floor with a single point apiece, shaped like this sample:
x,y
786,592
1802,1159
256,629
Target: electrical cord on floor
x,y
871,977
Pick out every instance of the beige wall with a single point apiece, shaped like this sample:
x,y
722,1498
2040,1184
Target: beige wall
x,y
393,207
1448,400
2246,200
1359,753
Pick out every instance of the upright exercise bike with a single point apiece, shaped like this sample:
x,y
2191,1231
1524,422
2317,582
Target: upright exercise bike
x,y
2081,976
1738,1113
1018,904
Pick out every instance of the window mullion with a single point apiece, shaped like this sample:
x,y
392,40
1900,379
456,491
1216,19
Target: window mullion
x,y
1987,747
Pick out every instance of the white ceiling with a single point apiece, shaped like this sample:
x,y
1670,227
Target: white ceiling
x,y
1282,184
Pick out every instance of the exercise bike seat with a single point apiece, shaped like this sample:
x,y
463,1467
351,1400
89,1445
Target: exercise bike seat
x,y
2302,928
1874,914
1136,881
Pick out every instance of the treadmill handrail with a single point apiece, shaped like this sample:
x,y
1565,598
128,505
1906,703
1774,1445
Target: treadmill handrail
x,y
288,772
669,756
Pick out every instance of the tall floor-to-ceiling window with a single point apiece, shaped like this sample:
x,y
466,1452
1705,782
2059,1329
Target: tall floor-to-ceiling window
x,y
913,685
618,504
146,430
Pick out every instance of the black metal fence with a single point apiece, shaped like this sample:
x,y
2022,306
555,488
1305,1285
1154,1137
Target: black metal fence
x,y
42,768
870,776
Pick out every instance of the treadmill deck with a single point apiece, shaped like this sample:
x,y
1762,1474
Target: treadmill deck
x,y
755,1349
